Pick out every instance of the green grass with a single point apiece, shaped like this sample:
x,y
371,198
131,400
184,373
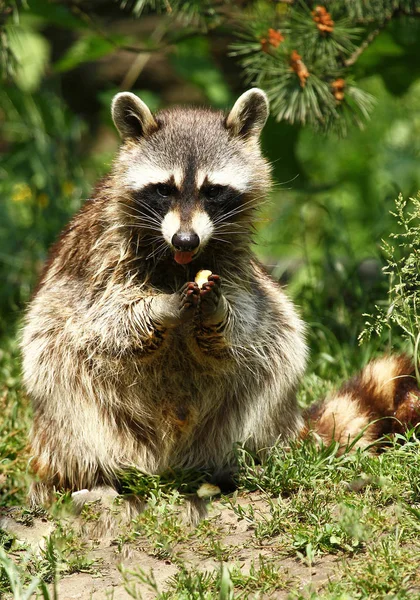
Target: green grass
x,y
357,508
353,518
14,425
302,508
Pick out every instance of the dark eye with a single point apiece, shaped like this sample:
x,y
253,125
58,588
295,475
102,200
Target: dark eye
x,y
164,190
213,191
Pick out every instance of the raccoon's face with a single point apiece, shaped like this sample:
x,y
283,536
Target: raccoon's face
x,y
193,176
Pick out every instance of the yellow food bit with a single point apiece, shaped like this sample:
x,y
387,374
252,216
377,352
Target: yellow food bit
x,y
207,490
202,277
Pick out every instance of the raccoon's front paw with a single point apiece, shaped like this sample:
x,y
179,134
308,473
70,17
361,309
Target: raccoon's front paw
x,y
189,300
212,307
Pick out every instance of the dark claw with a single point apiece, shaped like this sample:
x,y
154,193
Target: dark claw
x,y
207,287
210,295
190,285
189,300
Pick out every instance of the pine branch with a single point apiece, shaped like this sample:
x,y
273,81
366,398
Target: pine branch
x,y
159,45
375,32
369,39
300,52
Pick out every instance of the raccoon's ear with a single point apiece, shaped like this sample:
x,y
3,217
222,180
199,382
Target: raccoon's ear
x,y
131,116
249,114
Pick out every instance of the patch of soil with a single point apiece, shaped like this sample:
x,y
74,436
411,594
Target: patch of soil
x,y
235,536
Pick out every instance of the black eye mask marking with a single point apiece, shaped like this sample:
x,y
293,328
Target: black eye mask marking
x,y
156,198
213,192
220,200
217,200
165,190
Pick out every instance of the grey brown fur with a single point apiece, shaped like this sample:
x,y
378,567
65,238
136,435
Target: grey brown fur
x,y
129,363
118,373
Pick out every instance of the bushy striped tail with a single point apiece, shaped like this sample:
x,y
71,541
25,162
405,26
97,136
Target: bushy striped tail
x,y
382,399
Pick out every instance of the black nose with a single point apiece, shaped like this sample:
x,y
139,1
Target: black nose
x,y
185,242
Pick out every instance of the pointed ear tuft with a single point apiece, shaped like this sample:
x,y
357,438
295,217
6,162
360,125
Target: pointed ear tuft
x,y
132,117
249,114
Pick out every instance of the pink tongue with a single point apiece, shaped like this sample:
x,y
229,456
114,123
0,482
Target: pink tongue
x,y
183,258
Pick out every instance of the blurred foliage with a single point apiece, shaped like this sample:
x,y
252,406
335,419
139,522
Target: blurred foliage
x,y
301,52
41,184
63,61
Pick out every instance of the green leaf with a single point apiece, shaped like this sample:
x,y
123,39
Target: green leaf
x,y
334,540
31,51
226,585
56,14
88,48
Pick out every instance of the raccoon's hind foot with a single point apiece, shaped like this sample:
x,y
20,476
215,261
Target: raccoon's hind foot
x,y
105,494
110,511
41,494
101,512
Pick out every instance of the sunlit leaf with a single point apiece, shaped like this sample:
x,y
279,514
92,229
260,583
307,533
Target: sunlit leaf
x,y
31,50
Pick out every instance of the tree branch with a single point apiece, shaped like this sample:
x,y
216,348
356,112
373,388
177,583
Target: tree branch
x,y
375,32
369,39
160,45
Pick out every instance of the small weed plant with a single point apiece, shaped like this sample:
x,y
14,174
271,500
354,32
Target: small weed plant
x,y
401,312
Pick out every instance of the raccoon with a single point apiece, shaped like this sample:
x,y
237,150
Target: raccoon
x,y
128,361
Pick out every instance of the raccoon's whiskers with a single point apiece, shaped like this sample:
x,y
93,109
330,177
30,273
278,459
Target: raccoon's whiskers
x,y
235,211
151,210
135,226
148,214
224,233
134,209
141,217
221,240
146,227
156,250
221,227
235,228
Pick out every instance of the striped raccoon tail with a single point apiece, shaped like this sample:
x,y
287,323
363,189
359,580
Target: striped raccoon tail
x,y
383,398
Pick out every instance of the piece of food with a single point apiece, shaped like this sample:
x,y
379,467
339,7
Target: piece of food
x,y
207,490
202,277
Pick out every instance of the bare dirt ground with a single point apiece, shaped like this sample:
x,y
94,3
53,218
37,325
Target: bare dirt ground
x,y
113,561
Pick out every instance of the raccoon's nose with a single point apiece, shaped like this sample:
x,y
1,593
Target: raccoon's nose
x,y
185,242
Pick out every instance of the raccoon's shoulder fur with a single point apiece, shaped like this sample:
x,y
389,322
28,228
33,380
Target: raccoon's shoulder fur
x,y
128,362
